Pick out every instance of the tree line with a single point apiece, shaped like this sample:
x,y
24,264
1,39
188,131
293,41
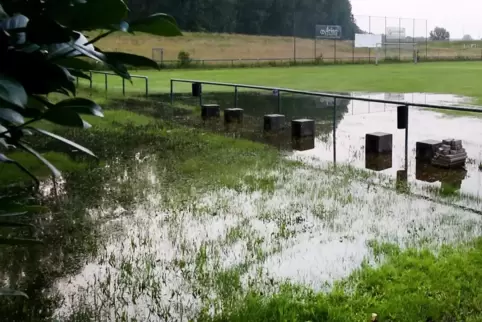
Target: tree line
x,y
253,17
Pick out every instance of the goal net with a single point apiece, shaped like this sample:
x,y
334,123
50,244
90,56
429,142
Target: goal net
x,y
397,51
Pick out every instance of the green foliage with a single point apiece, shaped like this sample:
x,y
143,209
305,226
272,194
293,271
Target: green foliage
x,y
40,44
255,17
184,59
439,33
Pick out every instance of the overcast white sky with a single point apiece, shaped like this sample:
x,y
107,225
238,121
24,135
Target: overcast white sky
x,y
459,17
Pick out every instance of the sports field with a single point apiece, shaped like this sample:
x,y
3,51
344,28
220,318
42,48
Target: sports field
x,y
461,78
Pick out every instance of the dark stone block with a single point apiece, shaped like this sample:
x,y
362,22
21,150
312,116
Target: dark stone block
x,y
210,111
378,162
402,117
196,89
304,144
426,149
379,142
233,115
302,128
274,122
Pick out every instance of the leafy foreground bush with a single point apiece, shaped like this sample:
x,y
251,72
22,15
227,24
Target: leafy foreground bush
x,y
411,286
43,51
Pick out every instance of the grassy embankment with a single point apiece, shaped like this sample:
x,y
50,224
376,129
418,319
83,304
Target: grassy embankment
x,y
233,47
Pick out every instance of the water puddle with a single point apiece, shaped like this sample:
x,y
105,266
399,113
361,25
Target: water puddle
x,y
162,261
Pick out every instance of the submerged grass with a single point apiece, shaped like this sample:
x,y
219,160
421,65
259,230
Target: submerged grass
x,y
193,255
411,285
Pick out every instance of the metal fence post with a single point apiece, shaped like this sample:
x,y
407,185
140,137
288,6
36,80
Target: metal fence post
x,y
334,131
235,96
147,86
172,92
90,81
279,101
406,138
105,80
123,86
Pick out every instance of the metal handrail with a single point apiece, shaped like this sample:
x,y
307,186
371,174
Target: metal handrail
x,y
106,74
324,94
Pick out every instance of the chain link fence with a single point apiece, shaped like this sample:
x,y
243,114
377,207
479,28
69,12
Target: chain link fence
x,y
402,39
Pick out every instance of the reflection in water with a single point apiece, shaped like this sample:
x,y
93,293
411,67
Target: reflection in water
x,y
161,260
378,161
303,144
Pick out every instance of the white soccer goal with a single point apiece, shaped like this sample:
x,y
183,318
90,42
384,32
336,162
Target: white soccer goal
x,y
397,51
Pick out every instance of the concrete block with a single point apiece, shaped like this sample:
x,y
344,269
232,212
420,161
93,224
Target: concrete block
x,y
233,115
302,128
426,149
274,122
303,144
210,111
378,162
378,142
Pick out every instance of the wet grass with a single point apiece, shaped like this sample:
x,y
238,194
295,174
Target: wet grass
x,y
410,285
200,225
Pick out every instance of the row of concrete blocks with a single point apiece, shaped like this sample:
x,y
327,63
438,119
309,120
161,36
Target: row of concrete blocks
x,y
272,122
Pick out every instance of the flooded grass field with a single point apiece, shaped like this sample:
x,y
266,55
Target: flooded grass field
x,y
189,220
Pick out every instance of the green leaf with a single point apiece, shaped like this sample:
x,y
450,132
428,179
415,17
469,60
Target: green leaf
x,y
15,224
9,292
92,15
3,129
66,49
20,241
82,106
79,74
11,116
5,159
65,117
53,169
16,22
3,14
42,30
14,214
12,91
66,141
130,59
159,24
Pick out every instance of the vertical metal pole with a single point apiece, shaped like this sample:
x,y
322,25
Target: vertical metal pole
x,y
426,39
279,102
334,131
147,86
294,33
77,80
385,40
172,92
353,53
124,86
201,96
235,96
90,73
316,36
105,81
399,39
369,31
406,139
334,58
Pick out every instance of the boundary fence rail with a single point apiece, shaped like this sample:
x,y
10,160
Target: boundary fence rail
x,y
106,82
279,91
